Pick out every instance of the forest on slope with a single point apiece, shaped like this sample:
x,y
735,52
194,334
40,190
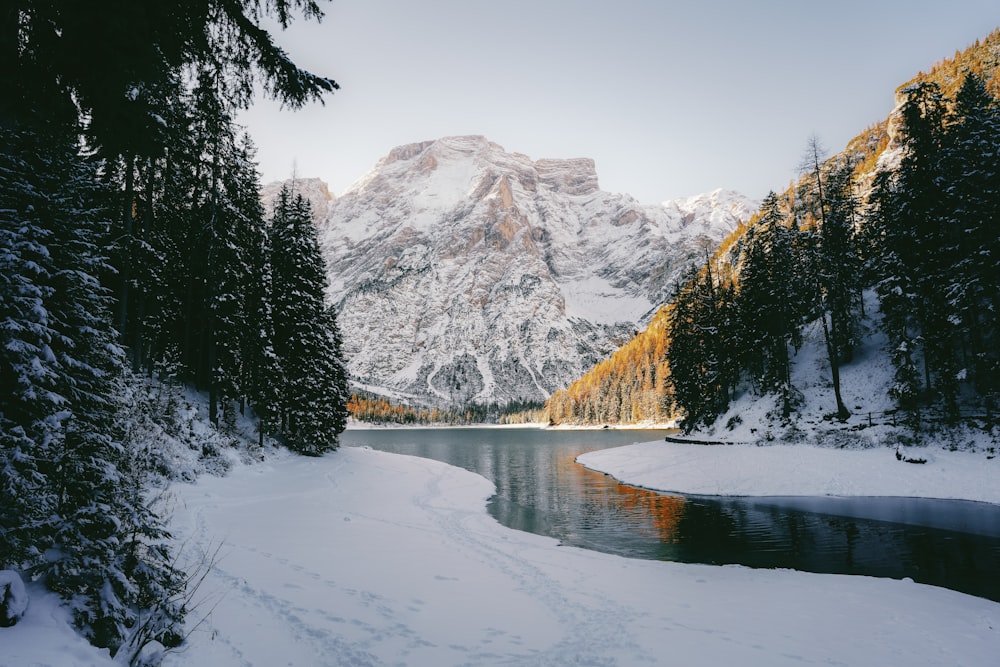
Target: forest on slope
x,y
135,258
908,209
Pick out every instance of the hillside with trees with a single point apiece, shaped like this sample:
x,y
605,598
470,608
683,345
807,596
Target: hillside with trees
x,y
908,211
135,255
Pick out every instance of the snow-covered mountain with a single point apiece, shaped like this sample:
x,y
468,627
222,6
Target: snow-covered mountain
x,y
462,272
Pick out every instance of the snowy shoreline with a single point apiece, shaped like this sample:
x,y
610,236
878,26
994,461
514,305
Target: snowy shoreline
x,y
369,558
798,470
362,557
355,425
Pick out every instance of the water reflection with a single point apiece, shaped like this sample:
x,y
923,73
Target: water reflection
x,y
541,489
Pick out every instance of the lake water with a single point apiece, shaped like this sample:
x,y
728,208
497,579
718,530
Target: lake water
x,y
541,489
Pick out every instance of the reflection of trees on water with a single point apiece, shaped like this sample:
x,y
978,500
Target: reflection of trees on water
x,y
655,514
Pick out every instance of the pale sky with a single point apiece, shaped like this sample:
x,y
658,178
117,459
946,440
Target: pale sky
x,y
669,98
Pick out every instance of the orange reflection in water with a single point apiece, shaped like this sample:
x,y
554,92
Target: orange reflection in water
x,y
664,512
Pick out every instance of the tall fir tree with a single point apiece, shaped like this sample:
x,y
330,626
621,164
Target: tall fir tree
x,y
68,447
913,267
971,205
769,302
701,361
313,394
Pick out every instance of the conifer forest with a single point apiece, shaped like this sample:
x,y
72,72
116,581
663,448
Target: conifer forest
x,y
134,254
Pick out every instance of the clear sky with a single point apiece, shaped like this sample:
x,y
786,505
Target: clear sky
x,y
669,98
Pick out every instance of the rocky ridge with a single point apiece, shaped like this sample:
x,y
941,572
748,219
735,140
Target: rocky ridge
x,y
464,273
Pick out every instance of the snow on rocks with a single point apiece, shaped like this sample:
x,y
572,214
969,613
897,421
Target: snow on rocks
x,y
45,636
464,273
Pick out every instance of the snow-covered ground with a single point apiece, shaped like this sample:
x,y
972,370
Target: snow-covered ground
x,y
800,470
865,387
368,558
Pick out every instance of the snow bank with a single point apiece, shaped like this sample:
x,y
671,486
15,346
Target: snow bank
x,y
798,470
13,598
368,558
45,637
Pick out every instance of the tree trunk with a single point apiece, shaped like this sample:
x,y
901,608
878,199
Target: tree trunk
x,y
128,202
831,353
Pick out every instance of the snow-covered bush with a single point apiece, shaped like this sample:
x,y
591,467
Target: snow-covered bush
x,y
13,598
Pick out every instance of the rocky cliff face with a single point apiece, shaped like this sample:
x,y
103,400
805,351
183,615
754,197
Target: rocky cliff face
x,y
462,272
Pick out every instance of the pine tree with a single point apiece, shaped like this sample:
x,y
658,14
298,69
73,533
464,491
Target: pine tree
x,y
313,393
702,364
769,302
971,189
914,269
895,288
67,447
832,268
30,408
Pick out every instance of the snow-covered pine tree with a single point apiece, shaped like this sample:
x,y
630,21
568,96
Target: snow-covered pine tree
x,y
971,186
702,364
769,301
68,365
31,410
266,376
243,187
895,287
908,209
232,214
313,394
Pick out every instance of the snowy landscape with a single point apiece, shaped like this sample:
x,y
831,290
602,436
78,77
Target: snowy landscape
x,y
367,558
197,371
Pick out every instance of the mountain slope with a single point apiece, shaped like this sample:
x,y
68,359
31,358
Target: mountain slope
x,y
880,148
464,273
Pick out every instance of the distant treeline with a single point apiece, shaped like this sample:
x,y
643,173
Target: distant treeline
x,y
368,407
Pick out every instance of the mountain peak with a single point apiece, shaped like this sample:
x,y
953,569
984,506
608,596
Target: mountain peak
x,y
465,273
574,176
449,147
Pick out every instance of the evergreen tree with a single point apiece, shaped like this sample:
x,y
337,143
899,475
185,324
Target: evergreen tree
x,y
831,268
895,288
266,377
63,436
31,409
914,269
702,367
232,218
769,302
313,394
971,189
